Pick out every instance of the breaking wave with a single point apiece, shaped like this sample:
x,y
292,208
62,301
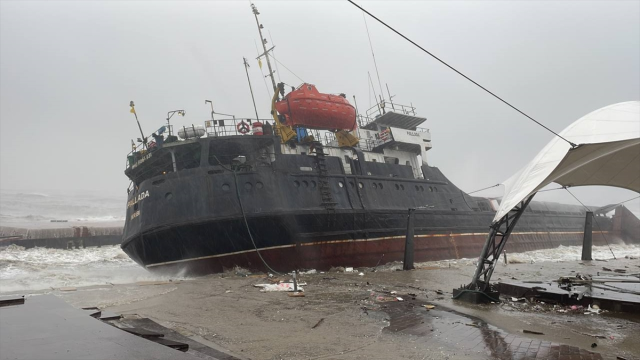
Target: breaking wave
x,y
40,268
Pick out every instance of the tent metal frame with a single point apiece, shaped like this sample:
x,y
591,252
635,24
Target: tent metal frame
x,y
493,246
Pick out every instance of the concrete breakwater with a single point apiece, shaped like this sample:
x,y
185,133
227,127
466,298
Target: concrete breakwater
x,y
61,238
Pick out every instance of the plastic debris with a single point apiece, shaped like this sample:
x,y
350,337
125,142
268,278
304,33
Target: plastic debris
x,y
361,274
429,307
399,298
532,332
285,286
515,299
349,269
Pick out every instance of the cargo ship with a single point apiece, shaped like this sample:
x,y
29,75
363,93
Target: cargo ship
x,y
316,186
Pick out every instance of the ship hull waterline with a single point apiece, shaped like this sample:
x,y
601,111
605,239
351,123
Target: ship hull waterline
x,y
221,245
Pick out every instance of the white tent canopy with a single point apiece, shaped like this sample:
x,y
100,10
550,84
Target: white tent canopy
x,y
608,154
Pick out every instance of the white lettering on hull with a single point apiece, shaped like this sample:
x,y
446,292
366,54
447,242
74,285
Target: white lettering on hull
x,y
140,197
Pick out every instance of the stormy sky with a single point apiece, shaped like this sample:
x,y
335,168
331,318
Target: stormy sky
x,y
69,69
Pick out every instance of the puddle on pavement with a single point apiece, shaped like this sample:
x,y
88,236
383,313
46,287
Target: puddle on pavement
x,y
471,336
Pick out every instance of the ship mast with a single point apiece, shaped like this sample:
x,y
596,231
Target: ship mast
x,y
263,40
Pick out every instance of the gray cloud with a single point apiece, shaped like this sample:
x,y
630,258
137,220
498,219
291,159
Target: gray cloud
x,y
69,69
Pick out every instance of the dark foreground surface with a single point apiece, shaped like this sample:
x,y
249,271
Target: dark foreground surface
x,y
345,315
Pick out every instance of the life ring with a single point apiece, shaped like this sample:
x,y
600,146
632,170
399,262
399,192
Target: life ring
x,y
243,127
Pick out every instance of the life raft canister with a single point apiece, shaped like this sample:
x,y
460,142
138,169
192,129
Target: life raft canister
x,y
257,128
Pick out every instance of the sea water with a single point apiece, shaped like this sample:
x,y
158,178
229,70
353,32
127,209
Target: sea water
x,y
39,268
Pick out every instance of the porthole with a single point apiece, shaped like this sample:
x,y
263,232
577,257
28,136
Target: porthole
x,y
259,185
397,187
421,188
450,201
168,196
248,186
417,188
374,185
340,183
430,189
353,185
296,183
226,187
401,187
435,188
360,185
380,185
313,184
305,183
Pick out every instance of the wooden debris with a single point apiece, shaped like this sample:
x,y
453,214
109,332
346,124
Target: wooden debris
x,y
532,332
318,323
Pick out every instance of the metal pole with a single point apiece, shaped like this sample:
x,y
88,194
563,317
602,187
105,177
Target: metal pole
x,y
144,140
408,244
390,97
246,68
256,13
213,122
587,240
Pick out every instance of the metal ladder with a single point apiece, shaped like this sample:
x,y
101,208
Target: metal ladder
x,y
323,180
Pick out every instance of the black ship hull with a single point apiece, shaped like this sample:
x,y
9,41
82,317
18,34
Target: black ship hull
x,y
321,241
210,218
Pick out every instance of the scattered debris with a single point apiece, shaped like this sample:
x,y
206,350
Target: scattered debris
x,y
296,294
439,292
532,332
385,299
474,325
283,286
594,345
361,274
348,269
308,272
228,291
429,307
318,323
515,299
591,335
399,298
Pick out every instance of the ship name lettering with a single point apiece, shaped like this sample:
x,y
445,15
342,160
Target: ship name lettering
x,y
413,133
135,214
136,199
142,159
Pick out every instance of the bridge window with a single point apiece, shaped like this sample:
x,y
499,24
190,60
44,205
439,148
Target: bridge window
x,y
188,156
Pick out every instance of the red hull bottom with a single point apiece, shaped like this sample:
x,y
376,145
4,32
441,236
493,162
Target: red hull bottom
x,y
370,252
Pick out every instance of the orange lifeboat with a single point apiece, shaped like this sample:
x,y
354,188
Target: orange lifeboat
x,y
311,109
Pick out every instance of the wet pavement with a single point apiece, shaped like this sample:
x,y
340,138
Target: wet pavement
x,y
349,316
471,337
